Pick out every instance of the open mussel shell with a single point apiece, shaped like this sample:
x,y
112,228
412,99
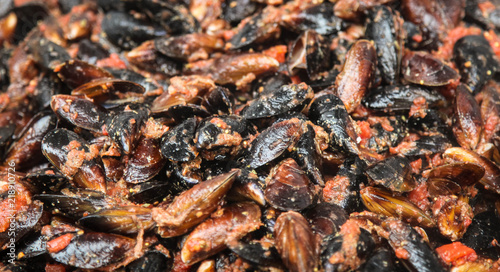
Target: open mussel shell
x,y
247,190
357,74
231,222
295,242
129,75
273,142
146,161
491,178
124,128
122,220
468,125
147,58
343,189
47,181
102,90
69,153
183,98
425,69
151,191
384,28
74,206
399,98
192,206
325,218
464,174
219,100
222,131
393,173
383,202
289,188
306,156
453,216
46,53
54,141
26,151
258,29
442,186
310,52
188,47
79,111
76,73
110,248
329,112
21,224
270,83
282,100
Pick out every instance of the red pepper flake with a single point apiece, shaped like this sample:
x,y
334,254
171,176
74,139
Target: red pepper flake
x,y
59,243
456,253
486,7
386,125
277,52
113,61
219,123
365,131
4,100
296,79
418,107
228,34
402,253
416,166
418,38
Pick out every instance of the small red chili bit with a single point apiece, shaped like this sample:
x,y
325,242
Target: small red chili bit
x,y
59,243
456,253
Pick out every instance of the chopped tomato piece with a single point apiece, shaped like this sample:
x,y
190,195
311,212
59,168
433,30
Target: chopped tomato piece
x,y
113,61
456,253
446,50
277,52
365,130
419,195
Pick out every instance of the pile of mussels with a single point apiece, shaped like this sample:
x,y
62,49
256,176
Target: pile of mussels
x,y
249,135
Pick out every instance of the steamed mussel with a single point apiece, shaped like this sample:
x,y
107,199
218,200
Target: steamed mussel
x,y
249,135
